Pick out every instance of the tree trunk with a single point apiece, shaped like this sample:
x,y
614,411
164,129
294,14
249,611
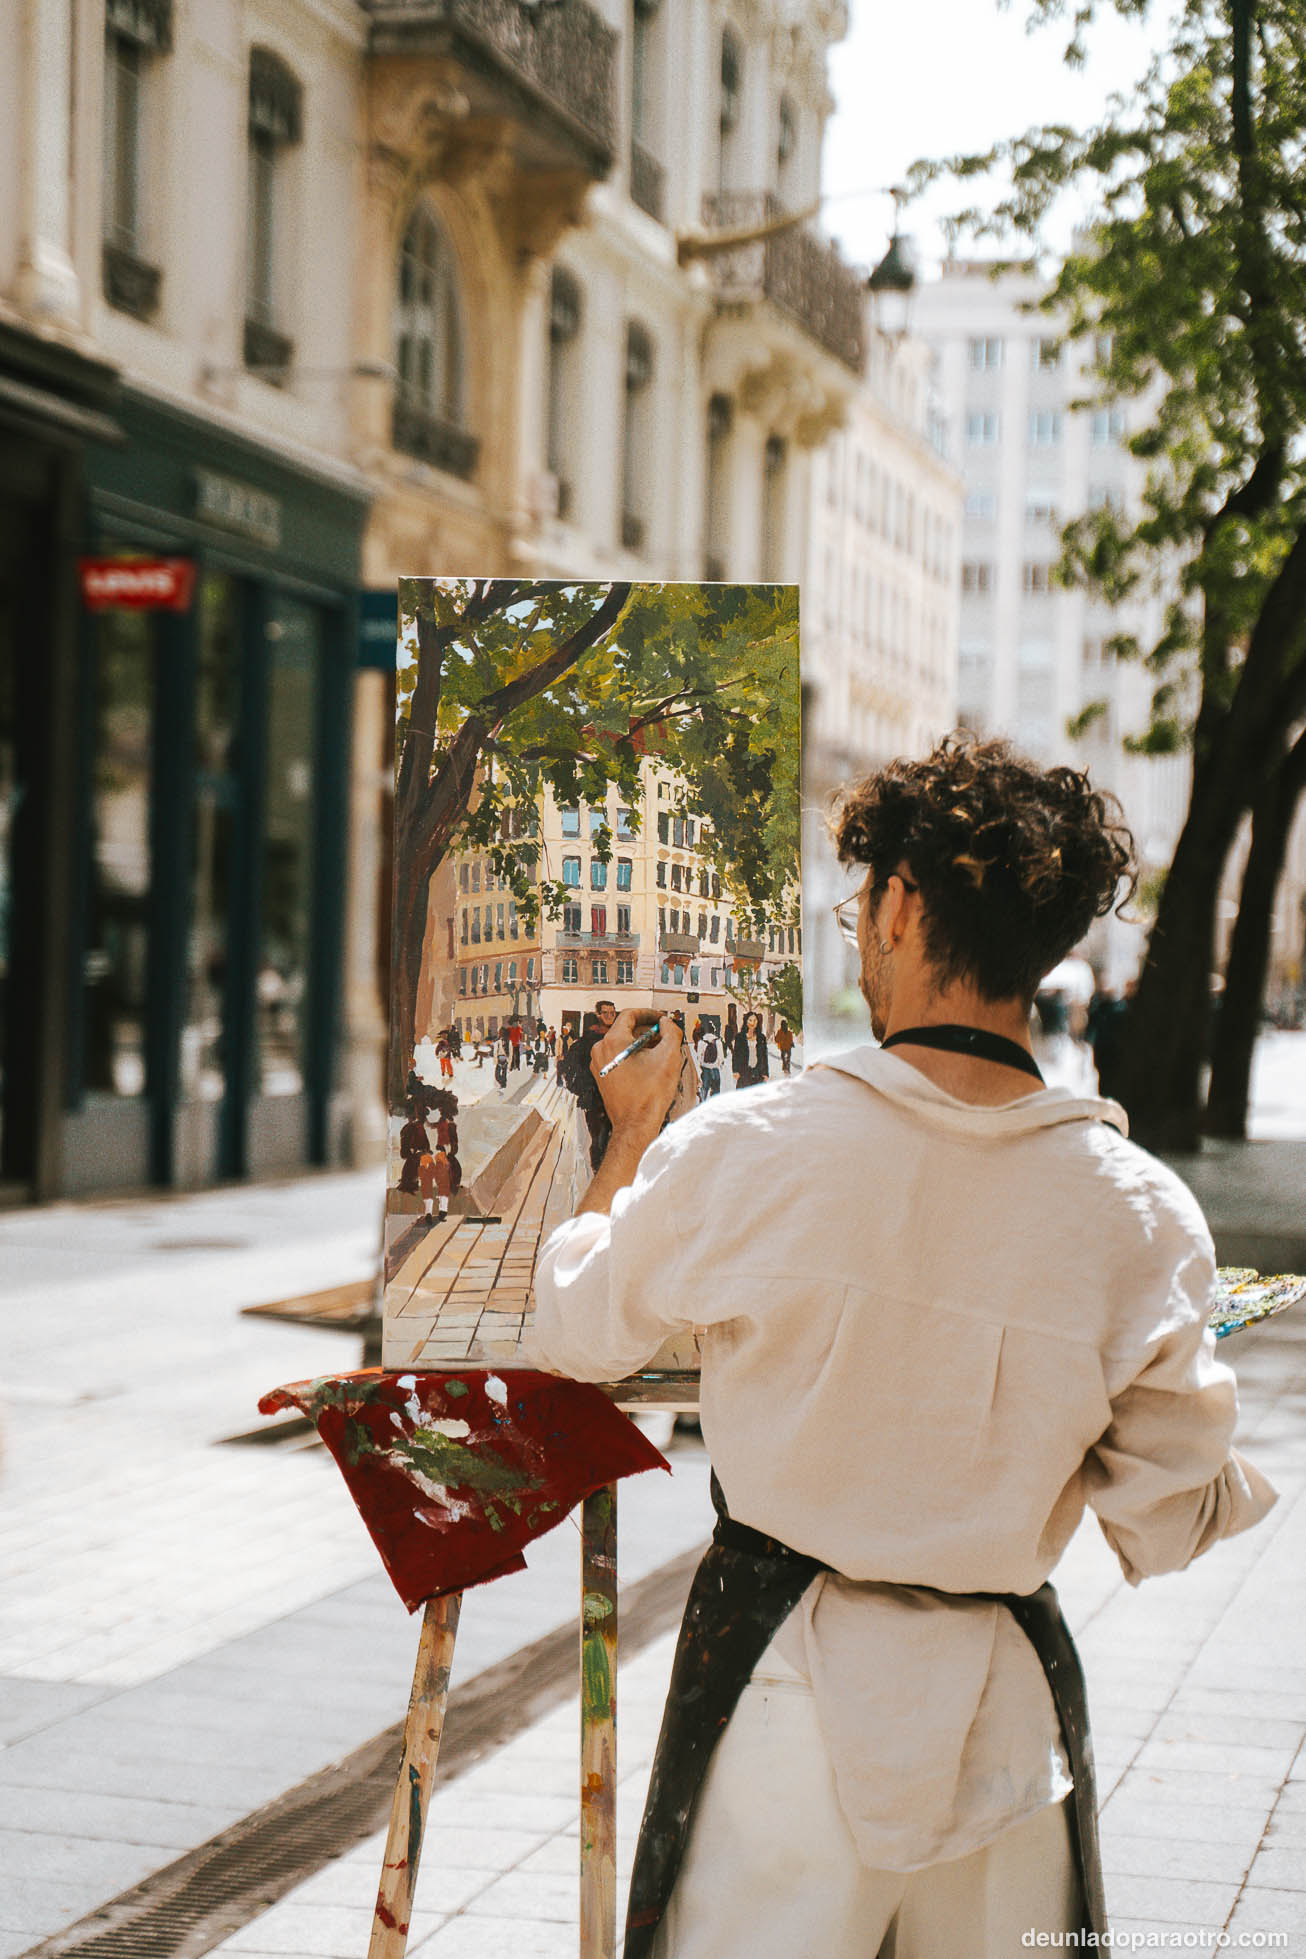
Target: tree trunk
x,y
1168,1029
1238,1020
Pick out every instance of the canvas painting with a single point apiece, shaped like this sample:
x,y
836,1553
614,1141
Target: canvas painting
x,y
596,809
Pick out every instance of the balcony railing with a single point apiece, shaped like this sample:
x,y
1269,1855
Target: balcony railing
x,y
680,943
598,942
558,59
417,433
746,948
795,270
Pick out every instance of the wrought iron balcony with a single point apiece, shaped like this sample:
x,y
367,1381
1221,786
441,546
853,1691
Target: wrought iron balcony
x,y
551,68
417,433
794,269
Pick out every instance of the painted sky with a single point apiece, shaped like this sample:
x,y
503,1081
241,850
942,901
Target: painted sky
x,y
941,76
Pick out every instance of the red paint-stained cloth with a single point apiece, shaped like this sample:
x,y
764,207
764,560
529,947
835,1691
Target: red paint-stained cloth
x,y
454,1473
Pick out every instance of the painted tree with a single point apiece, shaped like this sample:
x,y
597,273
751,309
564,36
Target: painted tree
x,y
508,687
1193,280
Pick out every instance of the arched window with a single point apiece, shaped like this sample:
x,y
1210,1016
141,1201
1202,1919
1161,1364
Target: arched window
x,y
431,390
636,436
716,516
732,73
563,404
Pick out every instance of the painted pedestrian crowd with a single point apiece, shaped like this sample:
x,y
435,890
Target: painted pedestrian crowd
x,y
737,1055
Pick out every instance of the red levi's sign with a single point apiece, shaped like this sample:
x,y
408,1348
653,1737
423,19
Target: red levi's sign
x,y
137,584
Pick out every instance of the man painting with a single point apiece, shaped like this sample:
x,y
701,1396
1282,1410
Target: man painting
x,y
576,1074
981,1310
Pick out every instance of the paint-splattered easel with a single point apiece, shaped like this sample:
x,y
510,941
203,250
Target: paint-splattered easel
x,y
598,1749
508,1465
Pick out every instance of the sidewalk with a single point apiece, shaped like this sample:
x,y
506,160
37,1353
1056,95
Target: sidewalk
x,y
189,1629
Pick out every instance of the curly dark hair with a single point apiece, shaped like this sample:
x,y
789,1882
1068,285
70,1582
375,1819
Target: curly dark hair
x,y
1014,862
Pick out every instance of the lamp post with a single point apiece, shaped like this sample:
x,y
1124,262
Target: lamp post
x,y
893,282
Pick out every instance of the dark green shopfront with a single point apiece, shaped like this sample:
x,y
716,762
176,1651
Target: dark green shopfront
x,y
203,862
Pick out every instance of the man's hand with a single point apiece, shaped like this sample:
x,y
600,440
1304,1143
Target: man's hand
x,y
638,1093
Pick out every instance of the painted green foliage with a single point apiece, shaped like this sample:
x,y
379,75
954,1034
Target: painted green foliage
x,y
506,686
1192,282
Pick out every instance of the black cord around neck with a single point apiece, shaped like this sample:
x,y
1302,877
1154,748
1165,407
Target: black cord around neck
x,y
978,1041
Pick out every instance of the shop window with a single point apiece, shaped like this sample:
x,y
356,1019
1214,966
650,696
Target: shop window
x,y
289,834
562,417
430,405
275,129
637,437
120,872
137,34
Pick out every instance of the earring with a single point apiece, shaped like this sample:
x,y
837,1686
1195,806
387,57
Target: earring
x,y
885,948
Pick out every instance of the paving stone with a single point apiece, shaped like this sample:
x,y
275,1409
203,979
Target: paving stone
x,y
536,1896
1259,1910
1281,1867
27,1706
1125,1853
315,1931
83,1814
1188,1902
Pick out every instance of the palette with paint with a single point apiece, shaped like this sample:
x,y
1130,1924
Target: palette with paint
x,y
1243,1297
583,774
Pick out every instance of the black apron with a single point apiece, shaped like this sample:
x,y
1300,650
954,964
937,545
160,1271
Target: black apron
x,y
743,1591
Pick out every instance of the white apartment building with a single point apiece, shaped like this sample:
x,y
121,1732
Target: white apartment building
x,y
1034,656
880,613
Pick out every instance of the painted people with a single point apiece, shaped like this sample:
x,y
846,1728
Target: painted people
x,y
749,1058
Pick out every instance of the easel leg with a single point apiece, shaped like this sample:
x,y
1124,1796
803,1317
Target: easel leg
x,y
422,1731
598,1726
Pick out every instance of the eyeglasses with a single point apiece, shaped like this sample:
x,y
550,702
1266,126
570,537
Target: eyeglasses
x,y
847,910
845,917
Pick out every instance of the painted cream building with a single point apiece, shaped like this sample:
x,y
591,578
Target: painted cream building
x,y
651,927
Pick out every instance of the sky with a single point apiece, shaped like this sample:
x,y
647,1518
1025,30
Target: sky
x,y
936,77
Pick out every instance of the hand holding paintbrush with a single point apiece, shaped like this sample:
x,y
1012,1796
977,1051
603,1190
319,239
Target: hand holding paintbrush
x,y
637,1066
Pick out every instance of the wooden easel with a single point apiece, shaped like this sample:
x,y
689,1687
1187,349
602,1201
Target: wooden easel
x,y
598,1748
673,1388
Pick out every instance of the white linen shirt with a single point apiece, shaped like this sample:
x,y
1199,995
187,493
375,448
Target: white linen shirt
x,y
932,1332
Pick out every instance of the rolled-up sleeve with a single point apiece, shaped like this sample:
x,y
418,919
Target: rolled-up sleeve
x,y
1164,1478
610,1290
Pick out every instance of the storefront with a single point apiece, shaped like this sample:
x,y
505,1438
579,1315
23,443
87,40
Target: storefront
x,y
53,402
205,953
